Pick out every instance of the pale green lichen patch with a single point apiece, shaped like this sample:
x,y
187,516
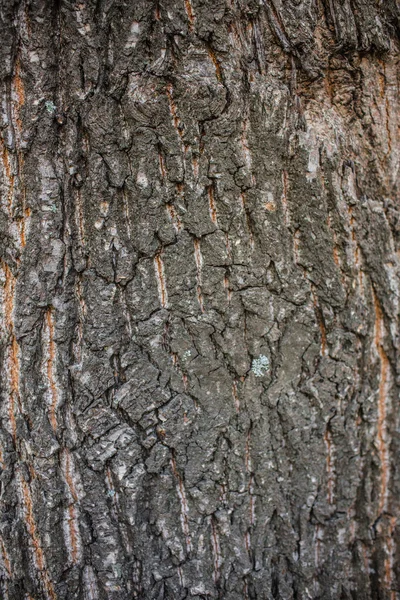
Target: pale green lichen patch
x,y
50,107
260,365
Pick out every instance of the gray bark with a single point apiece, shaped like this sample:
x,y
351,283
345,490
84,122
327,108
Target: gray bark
x,y
199,286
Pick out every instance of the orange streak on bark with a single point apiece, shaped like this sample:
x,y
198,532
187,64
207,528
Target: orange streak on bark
x,y
189,12
8,175
177,223
217,65
212,206
336,256
195,165
270,206
19,93
9,294
37,548
160,275
19,87
22,225
389,559
173,110
382,408
6,560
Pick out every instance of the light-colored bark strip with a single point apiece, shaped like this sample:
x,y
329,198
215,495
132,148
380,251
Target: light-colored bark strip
x,y
13,350
330,466
212,206
190,13
31,526
383,392
161,282
50,368
235,396
199,265
284,197
174,111
5,558
216,547
174,217
71,518
184,505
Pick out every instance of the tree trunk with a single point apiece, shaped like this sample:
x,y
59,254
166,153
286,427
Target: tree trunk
x,y
199,282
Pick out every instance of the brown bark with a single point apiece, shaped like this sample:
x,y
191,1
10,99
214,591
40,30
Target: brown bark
x,y
199,291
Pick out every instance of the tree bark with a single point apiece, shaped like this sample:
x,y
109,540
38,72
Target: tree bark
x,y
199,286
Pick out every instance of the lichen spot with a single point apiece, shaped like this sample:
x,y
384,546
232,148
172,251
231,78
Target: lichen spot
x,y
260,365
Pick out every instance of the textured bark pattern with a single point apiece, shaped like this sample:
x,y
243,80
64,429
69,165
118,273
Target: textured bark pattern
x,y
199,288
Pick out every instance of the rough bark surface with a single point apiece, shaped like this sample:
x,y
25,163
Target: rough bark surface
x,y
199,269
